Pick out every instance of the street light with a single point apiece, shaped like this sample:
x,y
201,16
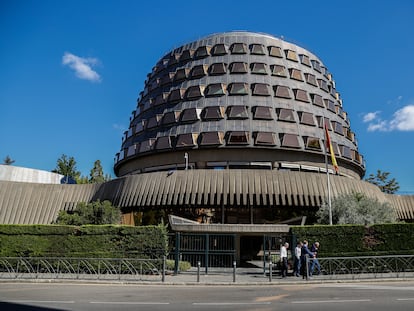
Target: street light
x,y
186,160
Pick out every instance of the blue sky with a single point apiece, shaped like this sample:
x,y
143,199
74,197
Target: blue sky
x,y
71,71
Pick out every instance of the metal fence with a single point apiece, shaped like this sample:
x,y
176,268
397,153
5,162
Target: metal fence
x,y
82,268
362,267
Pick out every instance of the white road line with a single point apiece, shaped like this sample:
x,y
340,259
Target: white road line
x,y
129,302
230,303
405,299
332,301
40,301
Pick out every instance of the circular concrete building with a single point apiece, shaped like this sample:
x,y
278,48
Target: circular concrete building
x,y
239,119
238,100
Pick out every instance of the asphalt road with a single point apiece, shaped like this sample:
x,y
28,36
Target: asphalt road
x,y
339,296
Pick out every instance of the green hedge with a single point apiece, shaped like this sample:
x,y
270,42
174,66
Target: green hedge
x,y
358,240
107,241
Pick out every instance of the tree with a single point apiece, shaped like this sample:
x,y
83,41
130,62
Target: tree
x,y
8,161
356,208
381,179
95,213
67,166
96,174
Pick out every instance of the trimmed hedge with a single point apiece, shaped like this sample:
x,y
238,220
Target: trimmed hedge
x,y
358,240
107,241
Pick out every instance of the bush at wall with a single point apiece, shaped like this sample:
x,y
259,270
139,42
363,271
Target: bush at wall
x,y
108,241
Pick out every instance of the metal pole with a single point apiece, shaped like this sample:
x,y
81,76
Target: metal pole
x,y
307,267
177,252
270,270
163,268
234,271
198,271
327,177
186,160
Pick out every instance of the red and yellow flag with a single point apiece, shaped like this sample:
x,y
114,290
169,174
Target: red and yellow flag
x,y
329,145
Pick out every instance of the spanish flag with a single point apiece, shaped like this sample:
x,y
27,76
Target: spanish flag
x,y
329,145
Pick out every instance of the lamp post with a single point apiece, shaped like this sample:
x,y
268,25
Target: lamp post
x,y
186,160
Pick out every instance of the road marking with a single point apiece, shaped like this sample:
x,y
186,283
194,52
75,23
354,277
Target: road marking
x,y
332,301
405,299
230,303
40,301
129,302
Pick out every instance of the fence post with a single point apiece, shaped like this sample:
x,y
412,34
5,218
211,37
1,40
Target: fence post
x,y
270,270
198,271
307,266
163,268
234,271
177,252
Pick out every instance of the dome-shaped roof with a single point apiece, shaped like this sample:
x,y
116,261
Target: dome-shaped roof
x,y
238,100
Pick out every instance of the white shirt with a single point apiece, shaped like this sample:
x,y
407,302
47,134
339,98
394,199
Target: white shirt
x,y
298,252
283,252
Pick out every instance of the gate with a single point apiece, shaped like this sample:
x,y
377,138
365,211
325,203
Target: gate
x,y
208,250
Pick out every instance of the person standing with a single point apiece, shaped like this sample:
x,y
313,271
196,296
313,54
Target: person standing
x,y
283,259
296,263
315,262
305,252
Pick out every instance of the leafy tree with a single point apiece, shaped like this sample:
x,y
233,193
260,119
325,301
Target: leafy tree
x,y
96,174
95,213
67,166
381,179
8,161
356,208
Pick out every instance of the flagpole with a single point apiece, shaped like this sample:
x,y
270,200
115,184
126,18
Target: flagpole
x,y
327,176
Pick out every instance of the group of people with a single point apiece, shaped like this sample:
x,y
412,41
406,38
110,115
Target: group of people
x,y
302,252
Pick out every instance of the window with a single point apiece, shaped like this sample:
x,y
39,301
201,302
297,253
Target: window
x,y
140,126
170,117
304,59
316,65
356,156
217,69
285,115
186,140
317,100
153,121
349,134
238,89
194,92
278,70
335,148
257,49
237,112
165,79
219,49
291,55
275,51
132,150
290,141
186,55
306,118
301,95
295,74
312,143
311,79
265,139
213,113
238,48
260,89
346,152
338,128
146,145
161,99
262,113
173,59
211,138
238,138
202,51
330,105
323,85
216,89
238,67
181,74
163,142
258,68
281,91
190,115
321,121
198,71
